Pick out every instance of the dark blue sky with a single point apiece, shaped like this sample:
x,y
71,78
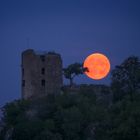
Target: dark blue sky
x,y
73,28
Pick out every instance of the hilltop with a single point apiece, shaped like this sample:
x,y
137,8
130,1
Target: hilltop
x,y
72,116
82,112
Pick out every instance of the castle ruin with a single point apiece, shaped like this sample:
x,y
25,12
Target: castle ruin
x,y
41,74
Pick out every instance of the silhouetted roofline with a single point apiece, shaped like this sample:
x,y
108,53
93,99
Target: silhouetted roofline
x,y
40,52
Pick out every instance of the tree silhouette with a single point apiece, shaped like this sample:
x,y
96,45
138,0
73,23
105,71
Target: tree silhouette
x,y
126,78
73,70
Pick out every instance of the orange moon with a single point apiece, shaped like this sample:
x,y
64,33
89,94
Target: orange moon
x,y
98,66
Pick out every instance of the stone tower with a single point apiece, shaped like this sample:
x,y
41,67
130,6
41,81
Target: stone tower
x,y
41,74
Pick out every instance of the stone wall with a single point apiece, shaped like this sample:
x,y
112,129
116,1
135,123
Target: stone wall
x,y
103,93
41,74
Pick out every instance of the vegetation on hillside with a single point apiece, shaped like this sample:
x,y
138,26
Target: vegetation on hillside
x,y
80,116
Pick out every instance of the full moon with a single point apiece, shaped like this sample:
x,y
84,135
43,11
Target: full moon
x,y
98,66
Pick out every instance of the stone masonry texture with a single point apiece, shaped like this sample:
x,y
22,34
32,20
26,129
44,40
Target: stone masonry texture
x,y
41,73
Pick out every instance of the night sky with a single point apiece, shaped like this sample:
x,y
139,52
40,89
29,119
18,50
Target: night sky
x,y
73,28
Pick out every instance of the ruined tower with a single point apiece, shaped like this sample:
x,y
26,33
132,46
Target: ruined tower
x,y
41,74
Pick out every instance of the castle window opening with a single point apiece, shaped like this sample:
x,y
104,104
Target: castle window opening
x,y
23,71
42,58
23,83
43,82
43,71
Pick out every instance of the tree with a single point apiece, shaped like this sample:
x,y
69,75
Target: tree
x,y
126,78
73,70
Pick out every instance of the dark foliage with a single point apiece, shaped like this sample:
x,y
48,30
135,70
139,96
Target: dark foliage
x,y
126,78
